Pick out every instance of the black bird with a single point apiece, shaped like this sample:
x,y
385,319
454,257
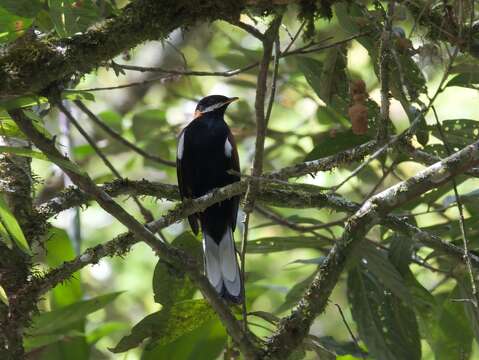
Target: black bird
x,y
206,151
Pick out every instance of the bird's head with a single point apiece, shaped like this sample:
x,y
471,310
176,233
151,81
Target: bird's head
x,y
213,104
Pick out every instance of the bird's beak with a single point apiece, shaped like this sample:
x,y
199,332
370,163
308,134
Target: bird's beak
x,y
230,100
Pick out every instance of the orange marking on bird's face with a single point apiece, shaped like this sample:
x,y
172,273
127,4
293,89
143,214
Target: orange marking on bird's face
x,y
197,114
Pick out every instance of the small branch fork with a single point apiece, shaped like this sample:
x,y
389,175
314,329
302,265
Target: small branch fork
x,y
295,327
259,188
269,38
274,193
176,257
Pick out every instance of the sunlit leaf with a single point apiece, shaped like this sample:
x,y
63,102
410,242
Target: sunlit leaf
x,y
167,325
11,225
5,236
467,79
12,25
3,296
40,156
459,133
104,330
59,249
204,343
61,319
171,285
22,102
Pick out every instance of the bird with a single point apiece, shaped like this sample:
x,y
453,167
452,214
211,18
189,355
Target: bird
x,y
206,152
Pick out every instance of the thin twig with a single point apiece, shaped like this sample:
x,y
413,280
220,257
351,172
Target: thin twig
x,y
295,327
120,138
295,37
405,134
384,59
271,37
145,212
294,226
350,331
175,256
229,73
460,209
249,29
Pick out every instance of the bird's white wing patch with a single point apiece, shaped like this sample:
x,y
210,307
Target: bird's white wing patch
x,y
228,148
181,146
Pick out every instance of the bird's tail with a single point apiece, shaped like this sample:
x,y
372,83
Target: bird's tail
x,y
221,265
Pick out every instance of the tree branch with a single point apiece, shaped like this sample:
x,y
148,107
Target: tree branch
x,y
176,257
31,66
295,327
120,138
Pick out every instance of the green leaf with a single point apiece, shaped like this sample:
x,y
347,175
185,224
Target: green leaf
x,y
33,342
167,325
459,132
40,156
72,343
284,243
351,17
333,89
296,293
22,102
77,95
331,144
337,348
414,79
3,296
204,343
471,311
26,8
105,329
311,69
466,79
11,225
171,285
9,128
62,319
70,17
59,249
386,325
5,236
446,328
328,116
422,133
377,262
11,25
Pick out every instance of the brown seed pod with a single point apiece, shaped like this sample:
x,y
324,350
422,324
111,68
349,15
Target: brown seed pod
x,y
360,98
358,87
358,113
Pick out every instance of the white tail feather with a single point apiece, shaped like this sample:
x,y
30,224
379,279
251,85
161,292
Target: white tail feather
x,y
212,263
221,263
229,263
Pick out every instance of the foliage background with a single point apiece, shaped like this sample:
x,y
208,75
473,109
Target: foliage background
x,y
309,120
